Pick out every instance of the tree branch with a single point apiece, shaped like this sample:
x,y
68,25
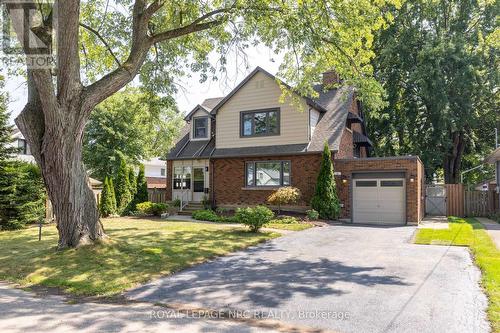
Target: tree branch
x,y
185,30
98,35
141,43
68,57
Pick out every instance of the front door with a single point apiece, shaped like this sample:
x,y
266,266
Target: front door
x,y
198,184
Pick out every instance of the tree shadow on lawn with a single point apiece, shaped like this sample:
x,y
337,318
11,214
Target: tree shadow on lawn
x,y
129,259
253,278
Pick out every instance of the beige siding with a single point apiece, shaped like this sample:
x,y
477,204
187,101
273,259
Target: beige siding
x,y
198,113
261,92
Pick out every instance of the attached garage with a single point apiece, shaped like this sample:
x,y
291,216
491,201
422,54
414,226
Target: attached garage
x,y
379,198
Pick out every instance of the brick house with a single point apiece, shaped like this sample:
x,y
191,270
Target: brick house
x,y
235,150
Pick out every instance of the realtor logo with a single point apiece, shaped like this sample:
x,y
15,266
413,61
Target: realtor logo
x,y
28,32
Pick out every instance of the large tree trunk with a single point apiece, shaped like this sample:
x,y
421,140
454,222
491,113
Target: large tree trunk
x,y
57,148
453,160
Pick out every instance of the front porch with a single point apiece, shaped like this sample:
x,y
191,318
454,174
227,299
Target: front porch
x,y
189,181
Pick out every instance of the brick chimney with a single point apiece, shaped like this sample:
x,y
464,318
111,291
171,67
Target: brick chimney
x,y
330,78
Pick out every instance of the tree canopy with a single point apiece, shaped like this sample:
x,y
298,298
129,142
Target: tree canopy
x,y
134,125
438,64
101,46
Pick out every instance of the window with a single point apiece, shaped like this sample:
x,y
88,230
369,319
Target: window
x,y
182,178
24,149
162,171
267,173
260,123
356,152
366,183
200,128
391,183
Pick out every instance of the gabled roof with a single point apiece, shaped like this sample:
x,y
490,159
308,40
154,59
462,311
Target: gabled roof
x,y
331,125
333,104
258,69
206,106
494,156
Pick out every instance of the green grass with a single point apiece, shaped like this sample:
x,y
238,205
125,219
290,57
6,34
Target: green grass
x,y
291,227
138,250
469,232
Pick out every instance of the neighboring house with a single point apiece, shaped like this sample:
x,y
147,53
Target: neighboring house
x,y
235,150
20,142
486,185
155,171
494,158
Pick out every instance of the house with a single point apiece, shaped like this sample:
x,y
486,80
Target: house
x,y
486,185
235,150
24,152
155,172
494,158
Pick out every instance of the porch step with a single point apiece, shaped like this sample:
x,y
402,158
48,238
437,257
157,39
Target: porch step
x,y
191,207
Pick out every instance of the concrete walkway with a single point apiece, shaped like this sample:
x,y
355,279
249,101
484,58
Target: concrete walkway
x,y
434,222
493,229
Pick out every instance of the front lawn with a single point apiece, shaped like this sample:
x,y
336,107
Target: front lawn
x,y
139,250
469,232
291,226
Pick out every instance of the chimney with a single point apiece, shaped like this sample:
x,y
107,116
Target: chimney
x,y
330,78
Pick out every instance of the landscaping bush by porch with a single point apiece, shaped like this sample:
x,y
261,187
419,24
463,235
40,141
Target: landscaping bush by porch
x,y
255,217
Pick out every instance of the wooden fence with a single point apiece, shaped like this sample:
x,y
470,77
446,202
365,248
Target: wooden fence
x,y
462,202
157,195
454,199
481,203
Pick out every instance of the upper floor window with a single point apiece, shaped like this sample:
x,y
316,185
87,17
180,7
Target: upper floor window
x,y
260,123
200,128
162,171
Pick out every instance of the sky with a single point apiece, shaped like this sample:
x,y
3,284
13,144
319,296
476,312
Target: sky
x,y
192,92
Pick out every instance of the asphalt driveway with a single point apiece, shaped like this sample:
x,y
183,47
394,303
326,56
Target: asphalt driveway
x,y
341,278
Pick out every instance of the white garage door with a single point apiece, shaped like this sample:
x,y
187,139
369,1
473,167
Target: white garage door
x,y
379,201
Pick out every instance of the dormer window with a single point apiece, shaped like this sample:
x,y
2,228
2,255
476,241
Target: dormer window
x,y
200,128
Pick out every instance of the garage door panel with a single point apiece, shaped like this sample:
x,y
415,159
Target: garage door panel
x,y
380,201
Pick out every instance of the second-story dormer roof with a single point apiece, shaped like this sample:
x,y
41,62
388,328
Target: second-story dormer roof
x,y
206,106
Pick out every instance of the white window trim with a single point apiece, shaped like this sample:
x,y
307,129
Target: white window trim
x,y
208,129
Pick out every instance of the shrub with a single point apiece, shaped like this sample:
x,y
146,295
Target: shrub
x,y
312,214
122,188
107,204
150,208
325,200
206,215
221,210
141,193
206,202
176,202
255,218
22,194
145,207
283,196
285,220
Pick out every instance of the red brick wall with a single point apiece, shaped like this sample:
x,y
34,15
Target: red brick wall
x,y
229,179
346,145
411,166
